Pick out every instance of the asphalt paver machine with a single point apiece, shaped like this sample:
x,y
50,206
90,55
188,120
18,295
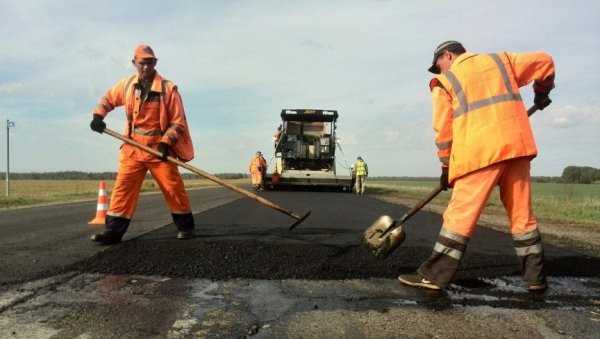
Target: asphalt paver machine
x,y
305,151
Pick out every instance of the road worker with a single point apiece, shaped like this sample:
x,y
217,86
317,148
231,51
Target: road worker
x,y
361,172
484,140
353,177
277,136
155,118
258,169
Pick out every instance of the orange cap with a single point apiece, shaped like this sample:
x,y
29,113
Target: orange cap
x,y
144,52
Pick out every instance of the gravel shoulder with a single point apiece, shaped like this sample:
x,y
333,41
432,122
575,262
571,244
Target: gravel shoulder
x,y
584,239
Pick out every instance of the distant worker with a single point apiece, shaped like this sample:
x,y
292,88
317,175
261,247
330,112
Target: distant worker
x,y
353,177
361,171
155,118
277,136
484,140
258,169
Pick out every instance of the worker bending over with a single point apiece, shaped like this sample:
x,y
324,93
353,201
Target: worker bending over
x,y
484,140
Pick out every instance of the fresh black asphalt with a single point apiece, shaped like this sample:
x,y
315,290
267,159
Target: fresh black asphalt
x,y
247,240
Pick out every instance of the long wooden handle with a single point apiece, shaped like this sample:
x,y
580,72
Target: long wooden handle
x,y
207,175
421,204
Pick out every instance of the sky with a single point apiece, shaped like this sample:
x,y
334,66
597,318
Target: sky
x,y
237,64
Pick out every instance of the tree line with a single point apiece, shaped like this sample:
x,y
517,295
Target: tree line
x,y
75,175
581,175
571,174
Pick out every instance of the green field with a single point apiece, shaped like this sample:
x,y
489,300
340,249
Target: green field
x,y
38,192
554,202
564,203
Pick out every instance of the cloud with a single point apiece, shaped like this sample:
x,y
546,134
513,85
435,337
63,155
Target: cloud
x,y
11,88
571,116
237,64
312,44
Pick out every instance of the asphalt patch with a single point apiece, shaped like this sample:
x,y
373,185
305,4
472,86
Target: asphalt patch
x,y
297,256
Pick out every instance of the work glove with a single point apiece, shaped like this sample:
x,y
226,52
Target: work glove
x,y
541,100
98,124
163,148
444,179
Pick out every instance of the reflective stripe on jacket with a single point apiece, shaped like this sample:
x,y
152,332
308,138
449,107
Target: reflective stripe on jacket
x,y
158,117
478,115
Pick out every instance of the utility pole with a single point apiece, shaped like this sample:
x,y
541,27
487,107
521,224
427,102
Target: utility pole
x,y
9,124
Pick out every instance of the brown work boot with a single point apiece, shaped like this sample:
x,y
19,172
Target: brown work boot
x,y
416,280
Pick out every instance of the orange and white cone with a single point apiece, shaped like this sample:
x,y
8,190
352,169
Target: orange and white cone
x,y
102,206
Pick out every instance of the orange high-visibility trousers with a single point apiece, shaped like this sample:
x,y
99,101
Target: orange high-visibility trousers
x,y
129,181
472,191
257,178
469,196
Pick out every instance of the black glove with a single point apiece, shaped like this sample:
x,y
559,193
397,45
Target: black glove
x,y
163,148
444,179
98,124
541,100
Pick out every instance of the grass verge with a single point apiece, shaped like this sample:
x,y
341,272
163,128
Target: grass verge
x,y
557,203
42,192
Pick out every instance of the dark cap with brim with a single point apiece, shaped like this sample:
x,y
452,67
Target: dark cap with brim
x,y
450,45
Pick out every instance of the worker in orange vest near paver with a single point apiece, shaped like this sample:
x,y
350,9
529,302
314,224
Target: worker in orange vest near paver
x,y
484,140
155,118
258,168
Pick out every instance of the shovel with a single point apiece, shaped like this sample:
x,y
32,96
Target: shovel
x,y
386,234
211,177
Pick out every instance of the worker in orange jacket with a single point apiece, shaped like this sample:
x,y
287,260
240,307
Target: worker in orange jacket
x,y
277,136
258,168
484,140
155,118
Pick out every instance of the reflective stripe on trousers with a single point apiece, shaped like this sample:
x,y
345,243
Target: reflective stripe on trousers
x,y
530,254
445,258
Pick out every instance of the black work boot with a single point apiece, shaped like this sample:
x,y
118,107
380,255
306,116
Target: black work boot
x,y
115,229
106,238
184,235
185,225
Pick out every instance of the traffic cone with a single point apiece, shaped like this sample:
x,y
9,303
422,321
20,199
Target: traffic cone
x,y
102,207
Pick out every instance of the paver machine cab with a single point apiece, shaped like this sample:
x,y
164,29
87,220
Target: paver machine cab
x,y
305,146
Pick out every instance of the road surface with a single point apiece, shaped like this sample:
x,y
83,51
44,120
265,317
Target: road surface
x,y
245,275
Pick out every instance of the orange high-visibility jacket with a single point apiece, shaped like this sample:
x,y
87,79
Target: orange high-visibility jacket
x,y
478,115
257,164
160,117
